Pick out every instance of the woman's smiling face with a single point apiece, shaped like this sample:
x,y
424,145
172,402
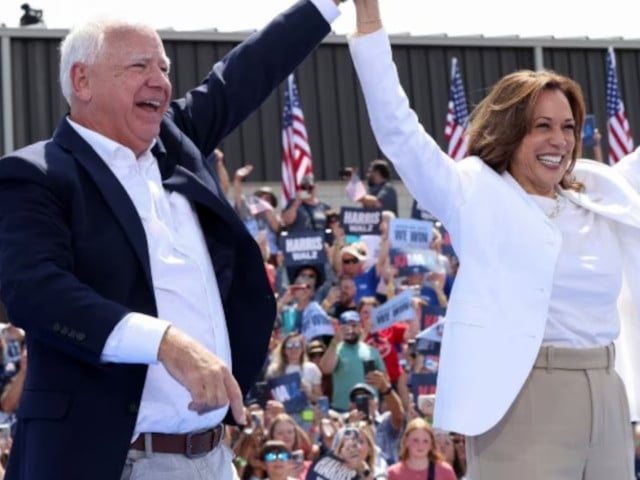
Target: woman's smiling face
x,y
545,152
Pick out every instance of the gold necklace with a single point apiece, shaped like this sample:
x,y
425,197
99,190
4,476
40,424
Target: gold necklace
x,y
556,207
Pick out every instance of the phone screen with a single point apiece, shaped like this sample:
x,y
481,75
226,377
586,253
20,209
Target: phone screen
x,y
369,366
362,404
323,404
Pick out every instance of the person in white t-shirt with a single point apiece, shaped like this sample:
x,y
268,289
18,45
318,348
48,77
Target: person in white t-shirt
x,y
289,357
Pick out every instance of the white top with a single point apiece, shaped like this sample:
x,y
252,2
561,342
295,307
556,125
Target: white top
x,y
310,374
184,284
587,279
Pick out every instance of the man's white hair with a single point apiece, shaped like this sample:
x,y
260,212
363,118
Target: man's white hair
x,y
84,44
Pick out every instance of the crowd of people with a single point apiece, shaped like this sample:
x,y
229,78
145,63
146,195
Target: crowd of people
x,y
148,304
353,377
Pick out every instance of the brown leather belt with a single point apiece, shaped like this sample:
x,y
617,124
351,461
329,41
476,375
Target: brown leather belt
x,y
193,444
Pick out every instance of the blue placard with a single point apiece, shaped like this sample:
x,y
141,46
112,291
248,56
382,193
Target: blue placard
x,y
306,248
360,221
286,390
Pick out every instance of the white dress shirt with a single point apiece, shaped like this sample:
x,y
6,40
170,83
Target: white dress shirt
x,y
184,284
587,279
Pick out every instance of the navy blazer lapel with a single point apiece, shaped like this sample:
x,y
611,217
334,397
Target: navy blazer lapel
x,y
195,188
111,189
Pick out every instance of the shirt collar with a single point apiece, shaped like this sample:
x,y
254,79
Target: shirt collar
x,y
113,153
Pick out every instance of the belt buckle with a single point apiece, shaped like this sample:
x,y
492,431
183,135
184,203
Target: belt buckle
x,y
189,445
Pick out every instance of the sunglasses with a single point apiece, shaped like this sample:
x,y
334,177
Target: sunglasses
x,y
316,354
273,456
293,345
350,261
307,276
351,433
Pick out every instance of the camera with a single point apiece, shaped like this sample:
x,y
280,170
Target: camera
x,y
345,173
362,404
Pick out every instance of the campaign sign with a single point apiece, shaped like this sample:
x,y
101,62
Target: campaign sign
x,y
409,234
330,467
423,383
419,213
393,310
286,390
428,342
359,221
315,322
434,332
304,248
409,262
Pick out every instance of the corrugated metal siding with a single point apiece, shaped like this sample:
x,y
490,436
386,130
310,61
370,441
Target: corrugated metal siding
x,y
37,101
336,118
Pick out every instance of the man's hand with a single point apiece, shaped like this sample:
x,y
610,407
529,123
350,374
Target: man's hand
x,y
338,336
206,377
219,156
378,380
243,172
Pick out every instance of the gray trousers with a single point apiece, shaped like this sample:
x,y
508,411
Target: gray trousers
x,y
216,465
569,422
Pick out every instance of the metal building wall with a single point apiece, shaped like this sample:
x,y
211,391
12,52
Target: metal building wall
x,y
335,114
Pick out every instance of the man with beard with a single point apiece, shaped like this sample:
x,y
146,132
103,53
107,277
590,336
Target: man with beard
x,y
346,357
381,194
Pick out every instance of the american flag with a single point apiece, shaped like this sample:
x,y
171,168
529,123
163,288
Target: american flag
x,y
457,115
620,141
296,155
256,205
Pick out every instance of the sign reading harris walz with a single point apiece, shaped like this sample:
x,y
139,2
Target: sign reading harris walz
x,y
286,389
304,249
358,221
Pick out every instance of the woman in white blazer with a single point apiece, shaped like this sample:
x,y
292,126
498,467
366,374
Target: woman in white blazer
x,y
549,248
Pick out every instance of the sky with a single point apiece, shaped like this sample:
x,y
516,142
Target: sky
x,y
561,19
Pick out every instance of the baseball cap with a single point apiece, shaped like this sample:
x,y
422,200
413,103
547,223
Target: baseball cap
x,y
357,250
361,389
349,316
265,190
307,180
315,346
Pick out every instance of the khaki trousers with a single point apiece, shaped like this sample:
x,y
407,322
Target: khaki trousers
x,y
569,422
216,465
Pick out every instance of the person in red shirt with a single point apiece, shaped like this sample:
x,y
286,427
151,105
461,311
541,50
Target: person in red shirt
x,y
388,341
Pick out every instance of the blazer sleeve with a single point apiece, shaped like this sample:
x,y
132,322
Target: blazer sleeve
x,y
240,82
430,175
36,279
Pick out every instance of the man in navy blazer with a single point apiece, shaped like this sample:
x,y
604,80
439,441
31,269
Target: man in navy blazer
x,y
95,229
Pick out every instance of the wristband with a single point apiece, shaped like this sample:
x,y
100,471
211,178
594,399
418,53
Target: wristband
x,y
240,462
386,392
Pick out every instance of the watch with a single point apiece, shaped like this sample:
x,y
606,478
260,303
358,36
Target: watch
x,y
386,392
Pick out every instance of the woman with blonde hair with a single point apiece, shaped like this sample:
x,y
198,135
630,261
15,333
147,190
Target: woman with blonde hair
x,y
420,458
290,356
354,445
